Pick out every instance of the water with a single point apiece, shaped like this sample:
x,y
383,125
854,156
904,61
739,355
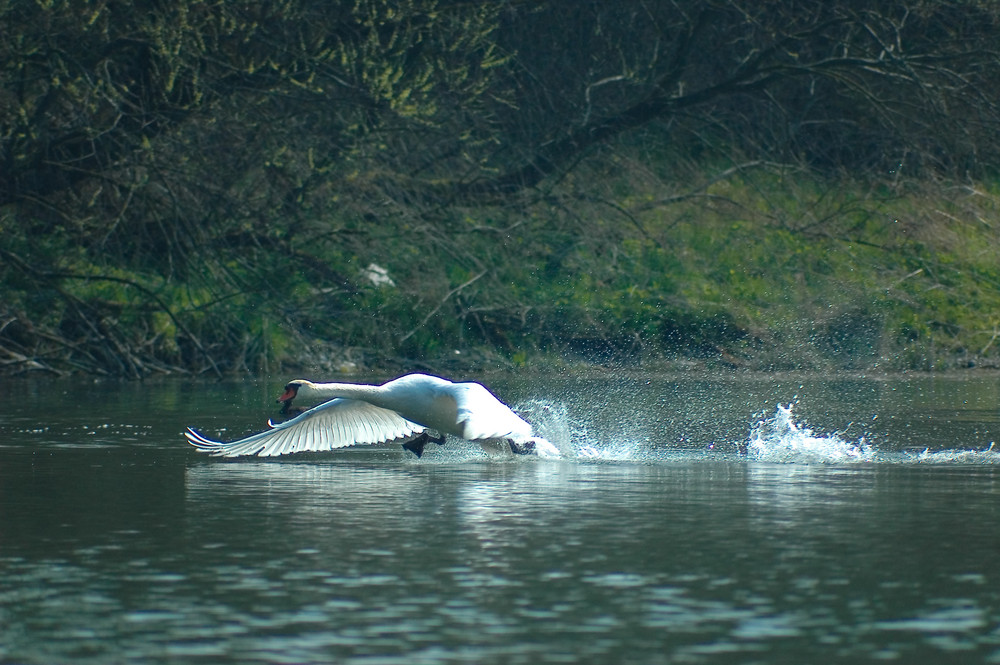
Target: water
x,y
733,520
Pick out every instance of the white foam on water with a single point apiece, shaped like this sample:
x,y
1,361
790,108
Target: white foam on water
x,y
776,439
989,456
781,439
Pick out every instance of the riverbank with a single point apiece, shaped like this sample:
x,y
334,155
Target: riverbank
x,y
214,189
764,269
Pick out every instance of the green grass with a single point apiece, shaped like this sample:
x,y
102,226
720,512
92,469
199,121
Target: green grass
x,y
764,269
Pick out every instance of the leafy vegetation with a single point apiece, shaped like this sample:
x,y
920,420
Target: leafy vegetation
x,y
207,187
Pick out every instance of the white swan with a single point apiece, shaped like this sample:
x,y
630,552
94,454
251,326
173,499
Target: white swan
x,y
399,409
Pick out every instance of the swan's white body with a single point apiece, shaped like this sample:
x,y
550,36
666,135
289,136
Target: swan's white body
x,y
399,409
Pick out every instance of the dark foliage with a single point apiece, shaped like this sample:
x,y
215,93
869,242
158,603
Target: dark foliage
x,y
201,186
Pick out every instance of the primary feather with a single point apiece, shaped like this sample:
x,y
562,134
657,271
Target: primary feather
x,y
335,424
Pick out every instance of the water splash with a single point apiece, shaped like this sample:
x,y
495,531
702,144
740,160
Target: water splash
x,y
552,421
777,439
989,456
781,439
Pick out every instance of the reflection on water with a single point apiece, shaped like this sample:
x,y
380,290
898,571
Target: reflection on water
x,y
654,541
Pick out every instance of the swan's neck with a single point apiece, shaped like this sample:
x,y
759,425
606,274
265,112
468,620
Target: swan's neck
x,y
350,390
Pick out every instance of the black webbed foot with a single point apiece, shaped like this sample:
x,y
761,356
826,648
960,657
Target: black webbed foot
x,y
417,443
521,448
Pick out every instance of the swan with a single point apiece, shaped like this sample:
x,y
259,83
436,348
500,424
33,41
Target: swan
x,y
403,408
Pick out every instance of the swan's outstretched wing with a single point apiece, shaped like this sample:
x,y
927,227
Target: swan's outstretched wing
x,y
335,424
482,416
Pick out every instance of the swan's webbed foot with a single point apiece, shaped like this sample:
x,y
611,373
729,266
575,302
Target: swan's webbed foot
x,y
534,446
417,443
521,447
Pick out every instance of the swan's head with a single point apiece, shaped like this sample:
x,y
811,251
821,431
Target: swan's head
x,y
292,390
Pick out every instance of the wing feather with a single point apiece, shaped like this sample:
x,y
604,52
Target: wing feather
x,y
335,424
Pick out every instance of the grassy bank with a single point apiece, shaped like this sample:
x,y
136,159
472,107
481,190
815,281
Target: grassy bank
x,y
764,269
214,188
758,267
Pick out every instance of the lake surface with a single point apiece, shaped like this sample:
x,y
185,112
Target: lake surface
x,y
691,520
